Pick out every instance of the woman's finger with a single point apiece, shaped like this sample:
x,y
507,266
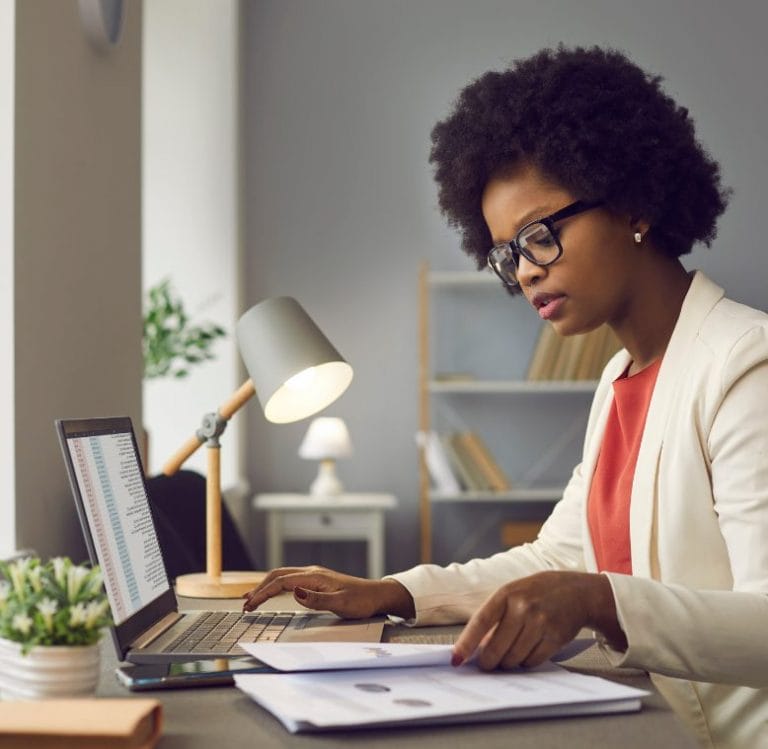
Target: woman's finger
x,y
282,583
527,641
477,628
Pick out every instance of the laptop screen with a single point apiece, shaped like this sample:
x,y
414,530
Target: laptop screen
x,y
115,501
107,481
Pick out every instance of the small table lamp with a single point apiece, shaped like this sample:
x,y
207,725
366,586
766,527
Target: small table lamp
x,y
296,372
326,440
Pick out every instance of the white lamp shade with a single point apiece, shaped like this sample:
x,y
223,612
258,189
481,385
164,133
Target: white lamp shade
x,y
295,369
326,439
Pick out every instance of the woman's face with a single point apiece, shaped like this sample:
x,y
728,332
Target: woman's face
x,y
591,282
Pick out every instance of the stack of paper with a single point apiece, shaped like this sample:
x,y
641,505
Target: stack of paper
x,y
394,684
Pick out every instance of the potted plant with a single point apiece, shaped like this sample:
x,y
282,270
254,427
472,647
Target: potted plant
x,y
171,343
52,616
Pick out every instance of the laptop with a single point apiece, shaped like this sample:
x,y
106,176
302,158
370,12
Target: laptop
x,y
107,480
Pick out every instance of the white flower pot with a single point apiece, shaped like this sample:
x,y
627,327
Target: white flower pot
x,y
47,671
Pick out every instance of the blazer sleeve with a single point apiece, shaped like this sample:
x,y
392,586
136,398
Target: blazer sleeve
x,y
716,635
450,595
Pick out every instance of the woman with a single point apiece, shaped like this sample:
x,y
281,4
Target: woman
x,y
582,183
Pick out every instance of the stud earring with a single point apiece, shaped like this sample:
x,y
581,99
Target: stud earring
x,y
638,237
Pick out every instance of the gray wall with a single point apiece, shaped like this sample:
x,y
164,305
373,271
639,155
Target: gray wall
x,y
340,97
77,251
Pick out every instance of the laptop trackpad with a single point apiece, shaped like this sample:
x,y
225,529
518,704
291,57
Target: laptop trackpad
x,y
331,629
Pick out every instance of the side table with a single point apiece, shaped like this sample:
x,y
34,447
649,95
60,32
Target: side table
x,y
347,517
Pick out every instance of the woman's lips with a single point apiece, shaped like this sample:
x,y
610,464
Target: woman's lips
x,y
547,305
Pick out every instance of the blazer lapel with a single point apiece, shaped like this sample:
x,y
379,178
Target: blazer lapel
x,y
701,297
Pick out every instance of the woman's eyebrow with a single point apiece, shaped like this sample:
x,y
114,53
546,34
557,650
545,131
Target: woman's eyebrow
x,y
526,218
532,215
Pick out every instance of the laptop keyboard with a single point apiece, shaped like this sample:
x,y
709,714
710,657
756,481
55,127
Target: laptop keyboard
x,y
417,638
219,631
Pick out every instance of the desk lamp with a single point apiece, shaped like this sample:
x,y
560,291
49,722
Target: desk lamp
x,y
296,372
326,440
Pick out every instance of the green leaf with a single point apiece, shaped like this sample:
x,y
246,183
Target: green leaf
x,y
168,336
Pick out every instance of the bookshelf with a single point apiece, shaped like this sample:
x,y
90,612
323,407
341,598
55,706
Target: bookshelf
x,y
490,372
532,494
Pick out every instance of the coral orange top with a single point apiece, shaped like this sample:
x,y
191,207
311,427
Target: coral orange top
x,y
611,489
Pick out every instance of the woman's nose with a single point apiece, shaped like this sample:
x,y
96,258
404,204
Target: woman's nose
x,y
528,273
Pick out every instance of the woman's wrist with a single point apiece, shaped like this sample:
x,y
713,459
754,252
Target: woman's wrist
x,y
394,599
602,612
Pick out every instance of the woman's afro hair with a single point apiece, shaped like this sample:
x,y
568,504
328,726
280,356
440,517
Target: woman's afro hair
x,y
592,122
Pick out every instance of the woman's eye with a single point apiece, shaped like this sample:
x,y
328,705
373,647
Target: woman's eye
x,y
539,236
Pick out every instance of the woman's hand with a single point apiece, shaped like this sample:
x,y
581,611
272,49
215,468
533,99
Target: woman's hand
x,y
527,621
347,596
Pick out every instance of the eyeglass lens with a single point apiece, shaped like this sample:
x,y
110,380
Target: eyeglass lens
x,y
504,259
535,242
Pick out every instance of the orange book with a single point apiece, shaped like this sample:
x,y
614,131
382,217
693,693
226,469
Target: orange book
x,y
472,475
577,347
458,464
544,354
87,723
493,477
560,367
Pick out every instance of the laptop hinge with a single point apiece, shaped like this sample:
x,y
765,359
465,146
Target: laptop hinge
x,y
148,635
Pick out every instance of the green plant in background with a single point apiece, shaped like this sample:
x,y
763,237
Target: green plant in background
x,y
171,343
56,603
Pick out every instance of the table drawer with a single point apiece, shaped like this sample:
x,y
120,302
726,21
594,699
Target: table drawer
x,y
324,524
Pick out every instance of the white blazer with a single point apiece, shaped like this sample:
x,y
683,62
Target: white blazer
x,y
695,609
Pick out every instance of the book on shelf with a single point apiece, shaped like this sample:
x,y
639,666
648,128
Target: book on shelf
x,y
590,364
454,377
572,352
578,357
494,477
438,465
472,463
81,723
544,354
463,468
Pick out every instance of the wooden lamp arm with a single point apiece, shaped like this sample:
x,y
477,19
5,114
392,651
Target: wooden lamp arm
x,y
238,399
174,463
225,413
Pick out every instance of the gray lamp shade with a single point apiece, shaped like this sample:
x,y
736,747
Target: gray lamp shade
x,y
295,369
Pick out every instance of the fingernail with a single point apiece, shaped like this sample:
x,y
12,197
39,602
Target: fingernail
x,y
300,593
457,659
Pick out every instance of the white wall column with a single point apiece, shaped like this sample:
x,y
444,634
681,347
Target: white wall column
x,y
191,229
7,445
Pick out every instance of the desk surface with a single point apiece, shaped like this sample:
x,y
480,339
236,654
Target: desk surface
x,y
224,717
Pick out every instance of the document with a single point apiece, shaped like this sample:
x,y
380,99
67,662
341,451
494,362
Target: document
x,y
333,656
328,700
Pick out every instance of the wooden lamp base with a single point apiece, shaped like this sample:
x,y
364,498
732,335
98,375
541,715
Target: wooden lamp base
x,y
226,585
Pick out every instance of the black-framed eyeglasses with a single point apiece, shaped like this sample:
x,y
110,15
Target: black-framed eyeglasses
x,y
538,242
